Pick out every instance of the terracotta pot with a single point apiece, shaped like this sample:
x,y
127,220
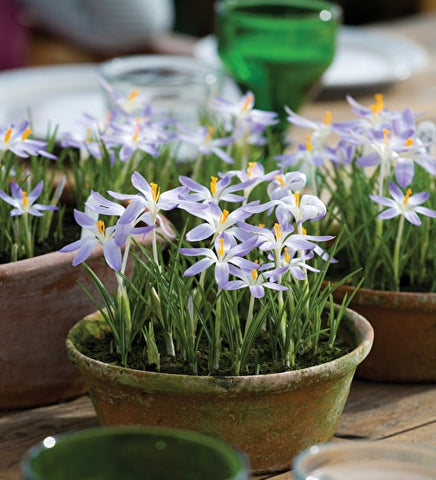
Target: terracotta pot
x,y
269,417
40,300
404,325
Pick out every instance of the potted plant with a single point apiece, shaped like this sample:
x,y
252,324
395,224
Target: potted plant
x,y
41,292
230,330
377,173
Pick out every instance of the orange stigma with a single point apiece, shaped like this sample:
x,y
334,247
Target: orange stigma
x,y
251,167
213,181
328,117
155,191
101,227
278,231
309,142
407,196
8,135
297,198
25,134
279,178
221,247
223,216
248,102
133,94
25,199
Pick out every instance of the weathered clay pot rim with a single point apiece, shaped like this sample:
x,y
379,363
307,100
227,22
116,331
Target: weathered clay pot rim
x,y
372,297
276,382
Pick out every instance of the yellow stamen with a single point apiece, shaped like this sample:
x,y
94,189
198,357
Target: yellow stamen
x,y
407,196
251,167
328,117
309,142
254,274
409,142
379,101
213,181
303,231
210,132
385,135
8,135
297,198
101,226
137,131
223,216
25,134
221,247
155,191
287,256
278,231
247,102
133,94
280,179
25,199
261,225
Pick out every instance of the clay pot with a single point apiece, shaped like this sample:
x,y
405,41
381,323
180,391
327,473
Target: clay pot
x,y
404,325
269,417
41,299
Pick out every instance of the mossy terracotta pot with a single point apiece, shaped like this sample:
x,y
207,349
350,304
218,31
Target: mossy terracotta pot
x,y
269,417
404,325
136,453
40,300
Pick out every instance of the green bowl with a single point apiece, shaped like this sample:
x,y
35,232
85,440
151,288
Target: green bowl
x,y
131,453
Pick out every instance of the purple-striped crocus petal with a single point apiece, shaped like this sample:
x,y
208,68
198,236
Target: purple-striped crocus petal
x,y
389,213
396,193
221,273
244,264
276,286
426,211
298,273
71,247
404,172
83,219
369,160
225,157
233,285
385,201
413,218
112,254
126,152
418,198
86,247
36,192
192,184
38,207
257,291
16,191
200,232
133,210
195,252
198,267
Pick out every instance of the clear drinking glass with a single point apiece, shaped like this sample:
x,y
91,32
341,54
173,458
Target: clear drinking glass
x,y
278,49
366,460
134,453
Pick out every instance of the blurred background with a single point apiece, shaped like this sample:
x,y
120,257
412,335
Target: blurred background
x,y
46,32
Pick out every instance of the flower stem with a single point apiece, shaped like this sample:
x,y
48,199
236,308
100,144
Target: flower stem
x,y
397,259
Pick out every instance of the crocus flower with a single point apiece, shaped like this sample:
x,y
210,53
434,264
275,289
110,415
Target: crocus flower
x,y
204,142
24,202
407,205
94,232
226,251
220,189
256,279
16,139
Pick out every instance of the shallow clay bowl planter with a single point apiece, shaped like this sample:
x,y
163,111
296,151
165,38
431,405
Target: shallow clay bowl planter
x,y
404,325
40,300
269,417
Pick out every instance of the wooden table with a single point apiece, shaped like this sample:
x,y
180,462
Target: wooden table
x,y
374,410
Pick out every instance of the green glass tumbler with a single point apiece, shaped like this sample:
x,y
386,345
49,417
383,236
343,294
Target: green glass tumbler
x,y
134,453
278,49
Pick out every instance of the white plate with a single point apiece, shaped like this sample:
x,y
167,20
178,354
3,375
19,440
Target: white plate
x,y
365,57
50,96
